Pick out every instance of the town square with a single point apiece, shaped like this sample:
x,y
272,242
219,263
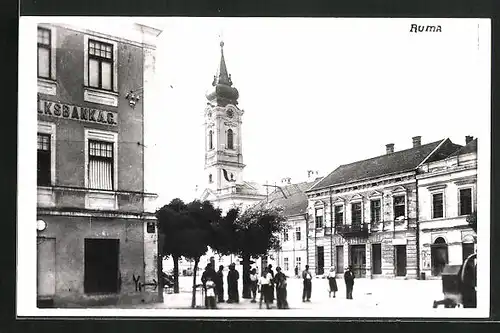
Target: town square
x,y
272,165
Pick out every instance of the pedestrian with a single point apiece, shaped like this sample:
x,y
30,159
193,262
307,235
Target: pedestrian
x,y
270,270
265,288
332,283
219,284
232,284
296,271
253,284
307,280
349,281
207,273
281,294
210,293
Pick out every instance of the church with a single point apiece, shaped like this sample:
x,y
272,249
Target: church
x,y
225,186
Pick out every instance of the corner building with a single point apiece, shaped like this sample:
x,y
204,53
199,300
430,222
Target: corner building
x,y
97,235
364,214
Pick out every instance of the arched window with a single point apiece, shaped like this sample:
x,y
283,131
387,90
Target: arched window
x,y
439,256
210,180
210,140
230,139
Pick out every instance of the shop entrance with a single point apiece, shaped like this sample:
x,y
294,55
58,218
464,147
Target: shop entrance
x,y
46,267
400,252
376,259
439,256
101,265
321,260
358,260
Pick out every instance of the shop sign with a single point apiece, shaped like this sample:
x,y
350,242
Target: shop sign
x,y
91,115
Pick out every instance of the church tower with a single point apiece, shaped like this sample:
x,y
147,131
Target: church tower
x,y
223,118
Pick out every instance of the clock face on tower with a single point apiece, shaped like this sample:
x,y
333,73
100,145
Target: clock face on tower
x,y
229,113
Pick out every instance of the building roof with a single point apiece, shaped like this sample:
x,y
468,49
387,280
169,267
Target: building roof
x,y
291,197
471,147
397,162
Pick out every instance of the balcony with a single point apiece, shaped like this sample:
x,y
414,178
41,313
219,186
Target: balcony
x,y
347,230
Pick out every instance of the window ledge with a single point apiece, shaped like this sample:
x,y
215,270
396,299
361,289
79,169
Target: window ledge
x,y
45,196
47,86
100,96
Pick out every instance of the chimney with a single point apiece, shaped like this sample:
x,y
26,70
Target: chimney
x,y
468,139
389,148
417,141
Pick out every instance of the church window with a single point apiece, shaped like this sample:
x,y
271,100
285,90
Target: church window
x,y
210,140
230,139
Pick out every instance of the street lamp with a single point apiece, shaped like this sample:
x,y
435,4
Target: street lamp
x,y
41,225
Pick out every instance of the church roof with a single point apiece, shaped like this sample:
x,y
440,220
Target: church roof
x,y
397,162
223,92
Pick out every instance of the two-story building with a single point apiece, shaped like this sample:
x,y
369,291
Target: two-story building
x,y
97,235
364,213
447,192
293,199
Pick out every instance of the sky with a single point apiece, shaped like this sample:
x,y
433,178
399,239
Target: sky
x,y
317,93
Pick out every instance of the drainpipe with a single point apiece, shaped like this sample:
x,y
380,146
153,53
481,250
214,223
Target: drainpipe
x,y
306,217
417,229
331,228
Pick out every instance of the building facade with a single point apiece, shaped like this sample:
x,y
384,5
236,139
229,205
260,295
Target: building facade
x,y
97,235
364,214
447,192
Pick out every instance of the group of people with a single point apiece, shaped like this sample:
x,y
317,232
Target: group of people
x,y
332,283
268,284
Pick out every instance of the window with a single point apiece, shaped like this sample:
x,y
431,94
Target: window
x,y
319,217
465,201
399,206
285,235
43,160
437,205
375,211
339,215
44,52
230,139
356,213
298,263
100,65
285,261
100,165
297,233
210,140
210,180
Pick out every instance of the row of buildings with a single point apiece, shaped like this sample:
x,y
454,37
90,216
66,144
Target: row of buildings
x,y
402,214
97,240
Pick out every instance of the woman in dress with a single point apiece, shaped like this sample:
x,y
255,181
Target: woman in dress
x,y
332,283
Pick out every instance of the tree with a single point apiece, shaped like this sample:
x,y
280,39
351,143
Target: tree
x,y
472,220
171,220
250,234
198,234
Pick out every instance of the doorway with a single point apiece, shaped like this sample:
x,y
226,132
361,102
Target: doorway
x,y
321,260
358,260
467,250
376,259
46,267
101,265
400,260
439,256
340,258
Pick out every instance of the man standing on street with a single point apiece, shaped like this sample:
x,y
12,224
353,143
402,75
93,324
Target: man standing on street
x,y
270,269
219,284
306,291
280,281
232,284
349,281
296,271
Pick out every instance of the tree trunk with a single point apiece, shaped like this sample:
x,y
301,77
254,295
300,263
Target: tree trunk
x,y
246,277
193,298
176,274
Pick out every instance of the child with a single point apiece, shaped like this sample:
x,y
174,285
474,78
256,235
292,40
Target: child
x,y
210,293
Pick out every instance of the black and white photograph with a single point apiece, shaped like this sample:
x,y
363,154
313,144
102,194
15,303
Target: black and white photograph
x,y
254,167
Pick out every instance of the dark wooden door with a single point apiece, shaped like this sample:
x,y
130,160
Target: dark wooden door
x,y
376,259
321,260
400,260
340,259
358,260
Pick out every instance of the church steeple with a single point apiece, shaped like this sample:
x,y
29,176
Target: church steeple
x,y
223,92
